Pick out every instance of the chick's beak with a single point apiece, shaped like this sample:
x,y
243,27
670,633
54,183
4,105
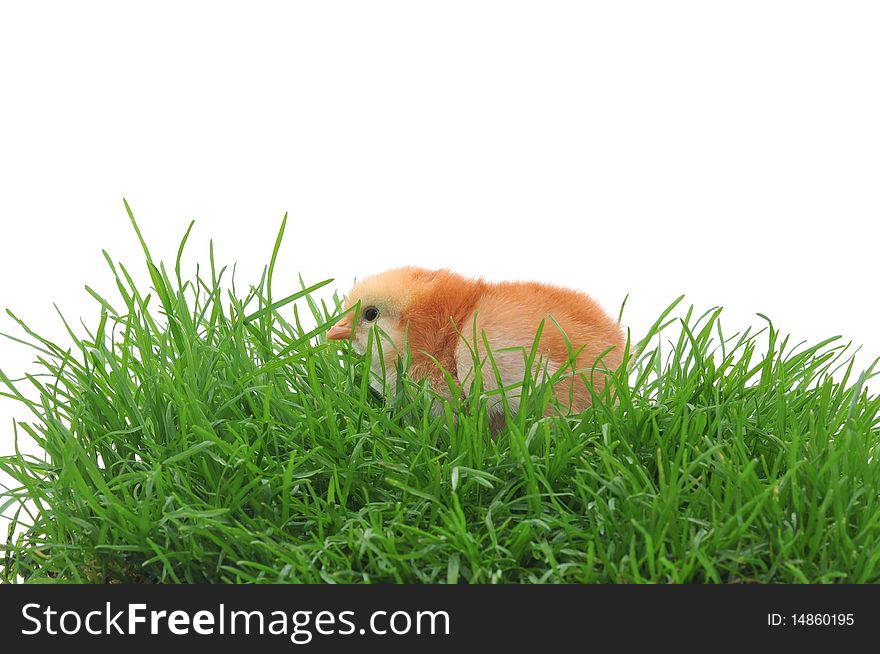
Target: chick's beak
x,y
339,332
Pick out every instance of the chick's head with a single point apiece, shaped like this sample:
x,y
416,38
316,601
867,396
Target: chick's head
x,y
382,301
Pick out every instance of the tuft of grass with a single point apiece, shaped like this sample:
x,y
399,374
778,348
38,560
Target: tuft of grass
x,y
196,434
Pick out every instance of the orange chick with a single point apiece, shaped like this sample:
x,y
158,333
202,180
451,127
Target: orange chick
x,y
436,313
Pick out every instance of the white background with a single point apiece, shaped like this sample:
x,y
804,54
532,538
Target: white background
x,y
729,151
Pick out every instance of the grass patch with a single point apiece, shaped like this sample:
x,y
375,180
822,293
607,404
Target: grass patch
x,y
197,434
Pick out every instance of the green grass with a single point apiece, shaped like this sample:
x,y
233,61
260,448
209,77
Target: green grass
x,y
202,435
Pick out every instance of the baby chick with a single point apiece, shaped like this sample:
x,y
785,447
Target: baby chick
x,y
436,313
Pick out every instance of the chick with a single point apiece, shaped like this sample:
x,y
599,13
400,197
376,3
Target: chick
x,y
437,313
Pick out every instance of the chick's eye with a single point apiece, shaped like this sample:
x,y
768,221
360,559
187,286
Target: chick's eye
x,y
370,314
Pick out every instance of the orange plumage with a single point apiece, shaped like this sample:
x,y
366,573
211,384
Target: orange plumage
x,y
436,312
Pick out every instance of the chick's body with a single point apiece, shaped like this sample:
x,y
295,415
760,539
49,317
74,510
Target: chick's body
x,y
443,316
